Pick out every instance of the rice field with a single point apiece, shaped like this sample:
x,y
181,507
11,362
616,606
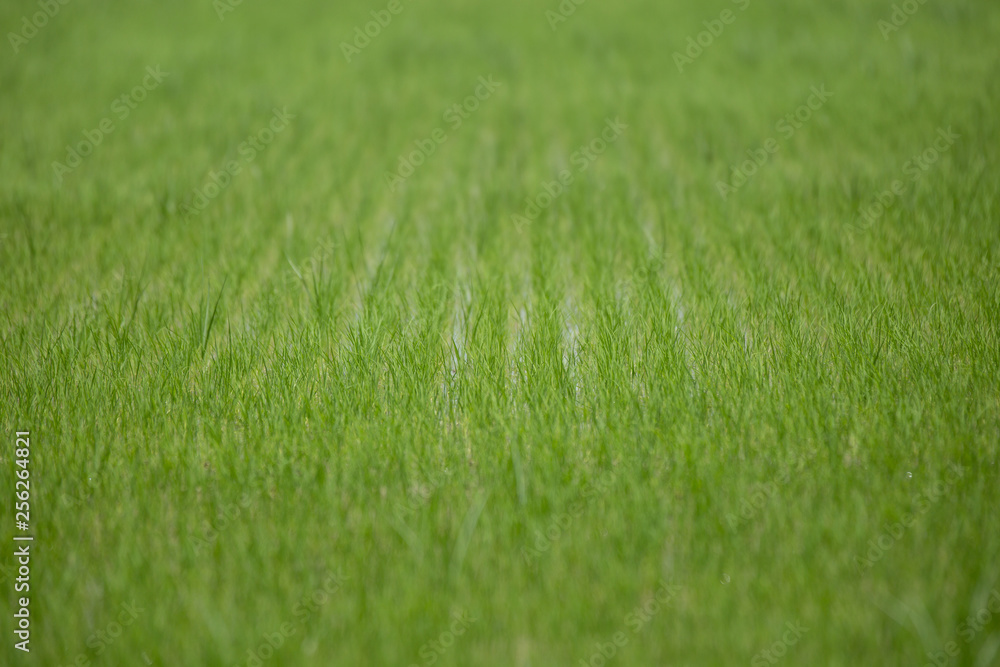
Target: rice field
x,y
532,333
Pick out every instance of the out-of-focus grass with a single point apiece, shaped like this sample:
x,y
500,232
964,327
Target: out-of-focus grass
x,y
537,425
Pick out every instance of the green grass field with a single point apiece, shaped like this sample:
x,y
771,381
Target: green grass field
x,y
627,333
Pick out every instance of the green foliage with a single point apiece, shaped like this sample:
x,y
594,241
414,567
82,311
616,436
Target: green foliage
x,y
249,369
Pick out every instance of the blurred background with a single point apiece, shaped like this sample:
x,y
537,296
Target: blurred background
x,y
285,299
